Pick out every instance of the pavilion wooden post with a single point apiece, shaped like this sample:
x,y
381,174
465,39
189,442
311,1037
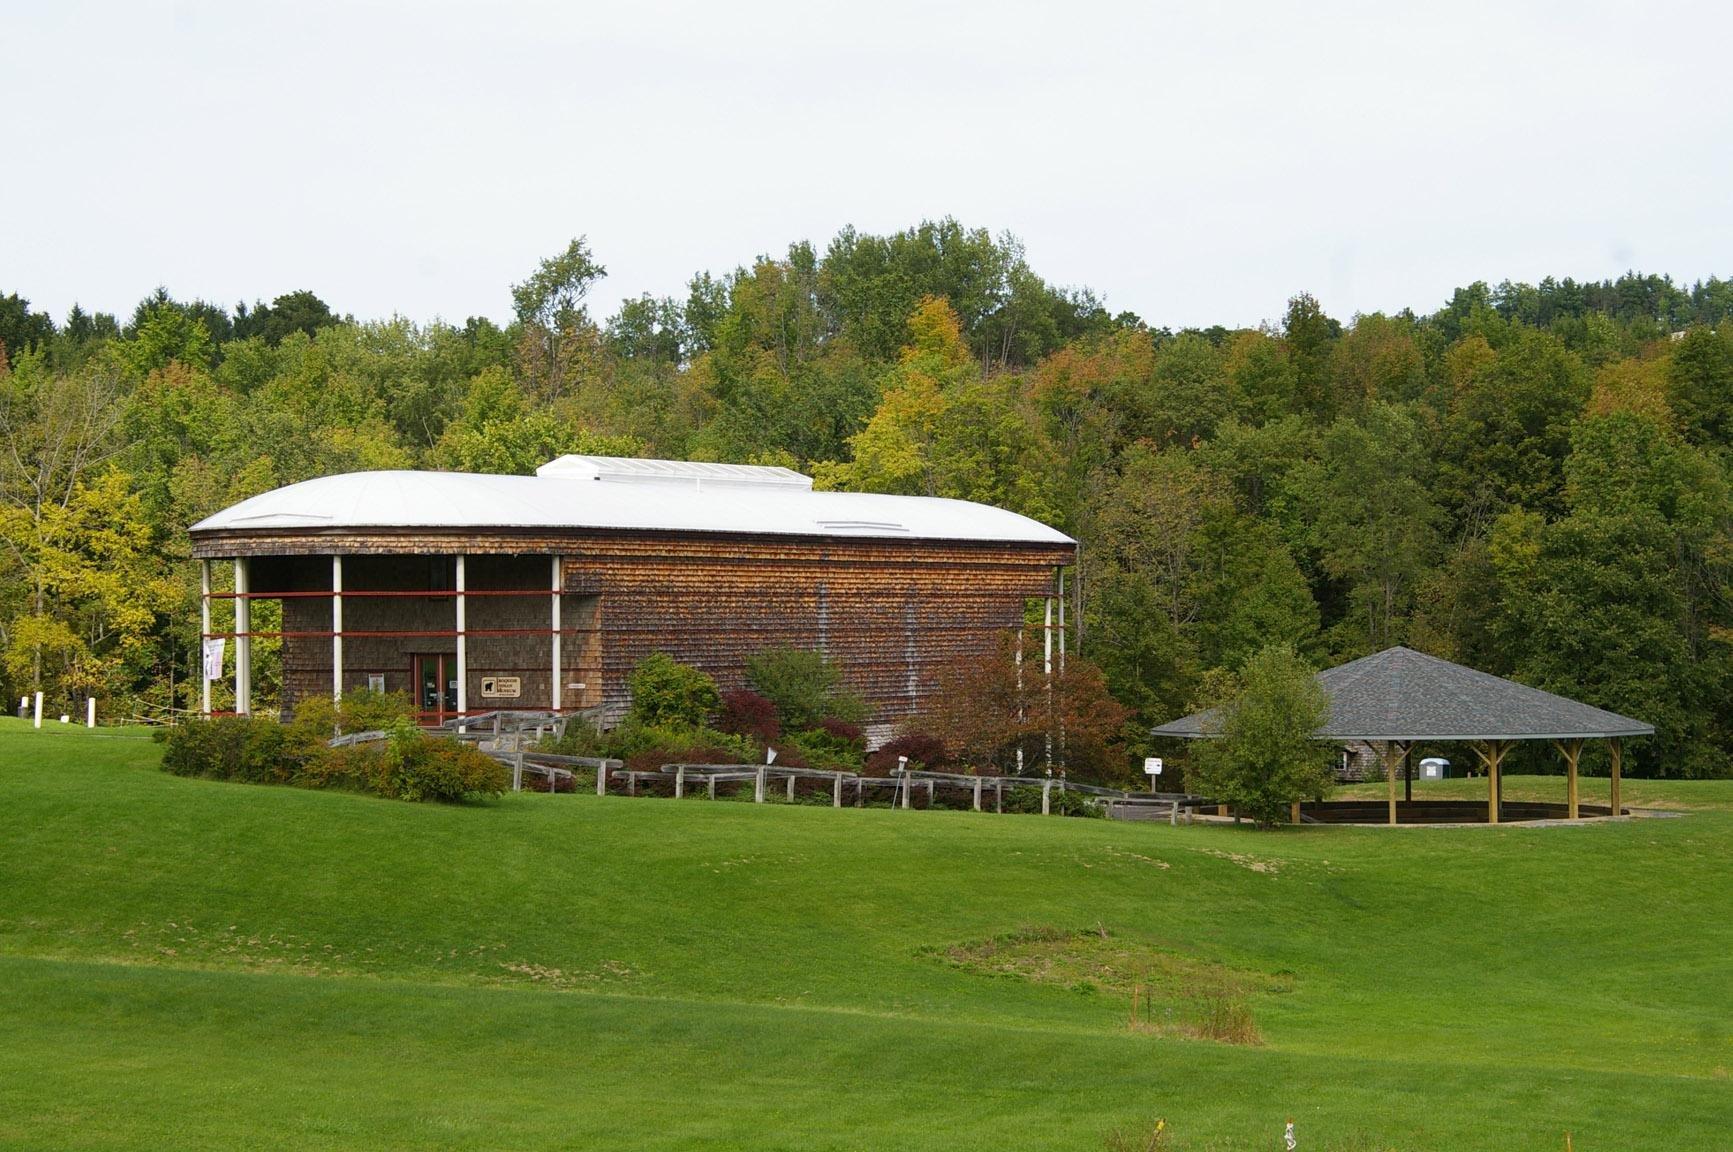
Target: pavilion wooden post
x,y
1616,749
1395,755
1491,753
1572,751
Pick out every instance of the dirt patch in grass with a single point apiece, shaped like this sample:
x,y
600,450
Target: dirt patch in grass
x,y
1165,992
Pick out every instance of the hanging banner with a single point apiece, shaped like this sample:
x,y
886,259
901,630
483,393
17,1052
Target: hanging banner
x,y
214,658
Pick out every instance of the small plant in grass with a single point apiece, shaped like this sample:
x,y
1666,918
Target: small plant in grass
x,y
1151,1137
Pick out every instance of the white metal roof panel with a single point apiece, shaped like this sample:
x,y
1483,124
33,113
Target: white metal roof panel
x,y
445,500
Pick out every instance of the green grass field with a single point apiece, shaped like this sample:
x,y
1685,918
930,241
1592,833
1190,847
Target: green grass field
x,y
195,965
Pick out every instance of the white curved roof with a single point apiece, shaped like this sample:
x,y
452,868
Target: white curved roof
x,y
595,492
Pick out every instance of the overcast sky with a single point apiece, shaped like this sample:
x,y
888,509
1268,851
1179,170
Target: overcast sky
x,y
1195,163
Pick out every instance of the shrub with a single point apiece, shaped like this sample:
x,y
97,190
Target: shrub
x,y
665,691
228,748
410,766
923,749
417,766
1026,798
651,759
746,713
364,710
805,687
845,735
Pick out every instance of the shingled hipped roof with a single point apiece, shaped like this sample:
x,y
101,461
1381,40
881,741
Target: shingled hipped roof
x,y
1403,695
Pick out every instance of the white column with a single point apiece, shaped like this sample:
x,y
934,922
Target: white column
x,y
243,639
462,645
559,674
1047,663
337,628
1061,621
90,713
1047,642
204,635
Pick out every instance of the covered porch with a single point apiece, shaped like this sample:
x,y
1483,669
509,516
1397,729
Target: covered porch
x,y
460,634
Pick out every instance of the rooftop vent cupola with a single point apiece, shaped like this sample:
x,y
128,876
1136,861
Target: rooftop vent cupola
x,y
683,473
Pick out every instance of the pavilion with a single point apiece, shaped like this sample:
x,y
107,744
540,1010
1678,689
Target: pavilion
x,y
1399,697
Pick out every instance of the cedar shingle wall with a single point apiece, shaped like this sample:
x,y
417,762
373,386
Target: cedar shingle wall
x,y
889,612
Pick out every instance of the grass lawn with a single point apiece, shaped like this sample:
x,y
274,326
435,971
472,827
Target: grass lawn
x,y
198,965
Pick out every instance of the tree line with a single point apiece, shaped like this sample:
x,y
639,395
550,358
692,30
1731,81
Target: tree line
x,y
1531,479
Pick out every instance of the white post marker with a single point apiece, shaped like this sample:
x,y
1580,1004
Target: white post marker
x,y
90,713
1152,769
39,709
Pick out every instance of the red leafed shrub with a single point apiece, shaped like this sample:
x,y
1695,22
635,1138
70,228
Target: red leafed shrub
x,y
844,733
790,755
746,713
923,750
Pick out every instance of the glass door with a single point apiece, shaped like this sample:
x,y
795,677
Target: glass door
x,y
435,678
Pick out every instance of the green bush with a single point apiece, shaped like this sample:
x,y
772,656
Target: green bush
x,y
417,766
364,710
228,748
1026,798
411,765
805,687
818,749
665,691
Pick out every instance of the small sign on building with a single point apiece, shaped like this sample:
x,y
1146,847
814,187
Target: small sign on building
x,y
502,687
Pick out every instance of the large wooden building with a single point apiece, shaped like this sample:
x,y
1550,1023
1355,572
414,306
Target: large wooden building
x,y
478,592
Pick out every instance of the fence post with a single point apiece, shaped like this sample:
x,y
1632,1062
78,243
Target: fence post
x,y
602,778
1046,797
836,792
679,781
977,793
758,787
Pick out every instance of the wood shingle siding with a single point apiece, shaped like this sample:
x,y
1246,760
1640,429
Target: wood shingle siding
x,y
889,611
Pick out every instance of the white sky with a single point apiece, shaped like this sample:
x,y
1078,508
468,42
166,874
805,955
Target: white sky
x,y
1196,163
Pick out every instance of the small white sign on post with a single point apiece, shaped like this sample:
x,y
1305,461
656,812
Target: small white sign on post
x,y
769,755
1152,769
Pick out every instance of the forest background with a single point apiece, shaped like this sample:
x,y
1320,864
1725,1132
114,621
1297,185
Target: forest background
x,y
1531,479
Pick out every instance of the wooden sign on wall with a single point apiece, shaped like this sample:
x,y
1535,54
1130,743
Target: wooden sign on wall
x,y
502,687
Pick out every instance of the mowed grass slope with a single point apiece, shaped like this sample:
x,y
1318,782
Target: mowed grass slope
x,y
201,965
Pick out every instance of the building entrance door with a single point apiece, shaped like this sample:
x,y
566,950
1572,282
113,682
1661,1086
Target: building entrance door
x,y
435,678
